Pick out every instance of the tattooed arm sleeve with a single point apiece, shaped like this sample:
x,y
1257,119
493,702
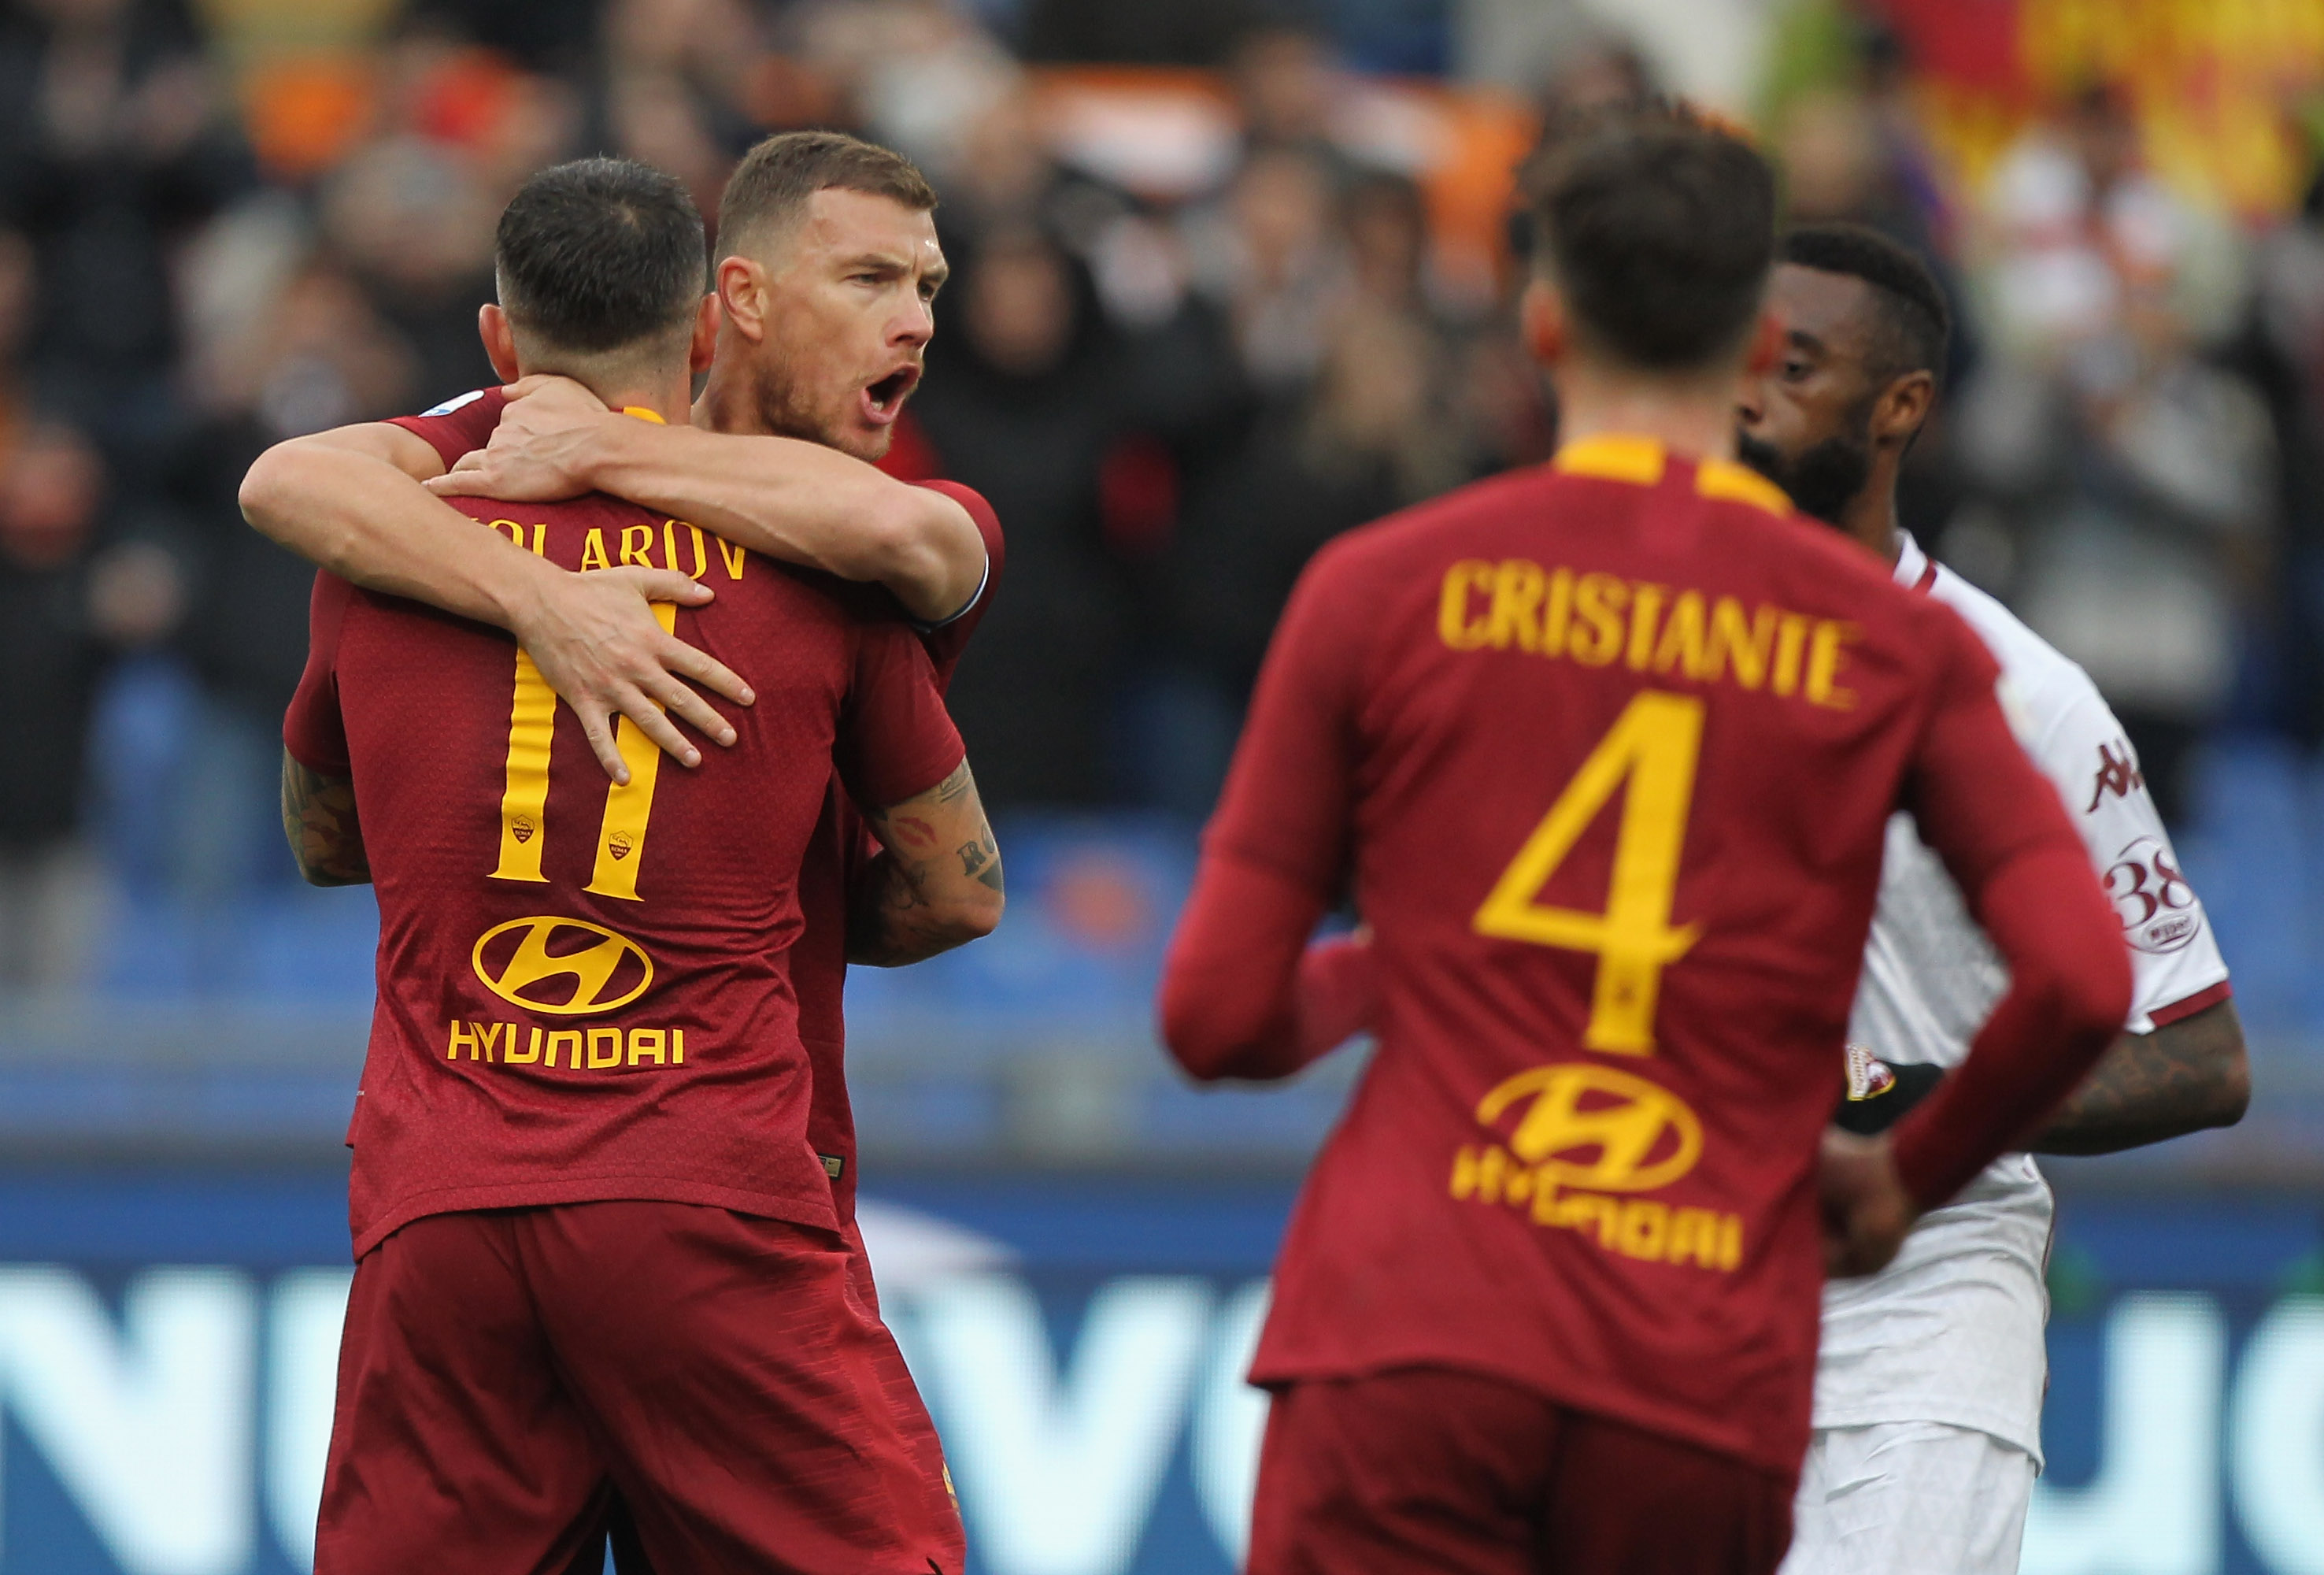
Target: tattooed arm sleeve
x,y
318,817
2181,1078
936,882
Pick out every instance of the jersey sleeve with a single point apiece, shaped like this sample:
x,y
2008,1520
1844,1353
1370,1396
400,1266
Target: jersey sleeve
x,y
2175,957
1290,791
313,730
947,640
1236,999
896,740
457,426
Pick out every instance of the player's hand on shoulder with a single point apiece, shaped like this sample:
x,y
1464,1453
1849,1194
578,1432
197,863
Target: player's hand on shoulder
x,y
597,642
1866,1210
540,450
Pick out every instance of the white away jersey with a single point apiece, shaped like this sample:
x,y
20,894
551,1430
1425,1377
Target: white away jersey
x,y
1951,1331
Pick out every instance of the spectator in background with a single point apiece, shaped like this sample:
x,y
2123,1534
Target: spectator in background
x,y
62,605
1289,88
673,82
1022,403
110,148
1849,153
322,356
2129,474
1351,416
409,213
1269,257
2281,349
1598,73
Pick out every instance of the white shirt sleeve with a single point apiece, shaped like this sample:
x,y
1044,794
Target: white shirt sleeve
x,y
2175,958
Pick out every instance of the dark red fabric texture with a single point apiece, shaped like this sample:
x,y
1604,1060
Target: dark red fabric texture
x,y
697,1086
840,843
834,853
721,1370
1436,1472
460,427
1514,1190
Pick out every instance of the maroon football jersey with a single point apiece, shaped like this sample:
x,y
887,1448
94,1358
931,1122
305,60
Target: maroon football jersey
x,y
840,843
1612,745
838,850
584,989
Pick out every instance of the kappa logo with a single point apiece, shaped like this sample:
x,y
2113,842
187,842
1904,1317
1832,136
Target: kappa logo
x,y
2118,774
1586,1125
536,964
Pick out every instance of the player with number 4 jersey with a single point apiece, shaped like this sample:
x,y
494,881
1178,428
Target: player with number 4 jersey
x,y
1606,750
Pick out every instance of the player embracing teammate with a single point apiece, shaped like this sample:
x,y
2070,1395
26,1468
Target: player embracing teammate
x,y
1607,753
634,1279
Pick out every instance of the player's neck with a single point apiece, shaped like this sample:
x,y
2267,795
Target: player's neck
x,y
667,401
1692,417
1880,535
665,396
1870,518
731,401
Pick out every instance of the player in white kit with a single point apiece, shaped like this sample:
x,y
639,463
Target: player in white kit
x,y
1928,1399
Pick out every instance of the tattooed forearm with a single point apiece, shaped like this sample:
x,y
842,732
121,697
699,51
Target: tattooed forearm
x,y
318,817
981,862
889,922
2149,1087
936,885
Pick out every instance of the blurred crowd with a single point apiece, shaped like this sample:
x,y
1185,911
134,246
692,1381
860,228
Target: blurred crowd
x,y
225,224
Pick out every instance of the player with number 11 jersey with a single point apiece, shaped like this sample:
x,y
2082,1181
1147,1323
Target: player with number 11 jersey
x,y
598,1251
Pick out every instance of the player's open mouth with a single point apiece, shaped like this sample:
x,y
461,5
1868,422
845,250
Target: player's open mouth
x,y
883,400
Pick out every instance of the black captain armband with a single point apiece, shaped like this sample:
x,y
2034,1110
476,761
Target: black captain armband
x,y
1879,1094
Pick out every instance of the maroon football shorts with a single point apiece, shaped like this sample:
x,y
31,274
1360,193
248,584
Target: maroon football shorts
x,y
1428,1470
720,1372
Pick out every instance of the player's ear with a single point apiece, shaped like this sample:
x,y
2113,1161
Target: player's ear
x,y
743,296
704,345
500,340
1903,406
1541,320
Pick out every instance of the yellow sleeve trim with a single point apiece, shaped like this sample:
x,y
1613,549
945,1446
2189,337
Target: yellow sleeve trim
x,y
643,414
1722,479
1612,457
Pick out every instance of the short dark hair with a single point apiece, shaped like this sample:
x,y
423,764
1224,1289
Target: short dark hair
x,y
598,253
1658,229
1916,325
775,179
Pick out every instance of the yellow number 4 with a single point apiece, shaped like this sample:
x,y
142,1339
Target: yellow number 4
x,y
1653,744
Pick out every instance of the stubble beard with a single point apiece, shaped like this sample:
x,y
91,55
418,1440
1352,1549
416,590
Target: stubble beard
x,y
1824,480
787,410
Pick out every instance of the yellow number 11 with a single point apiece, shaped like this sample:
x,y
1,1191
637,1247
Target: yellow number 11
x,y
524,803
1653,746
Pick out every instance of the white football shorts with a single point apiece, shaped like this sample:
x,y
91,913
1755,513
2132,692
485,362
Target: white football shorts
x,y
1909,1498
